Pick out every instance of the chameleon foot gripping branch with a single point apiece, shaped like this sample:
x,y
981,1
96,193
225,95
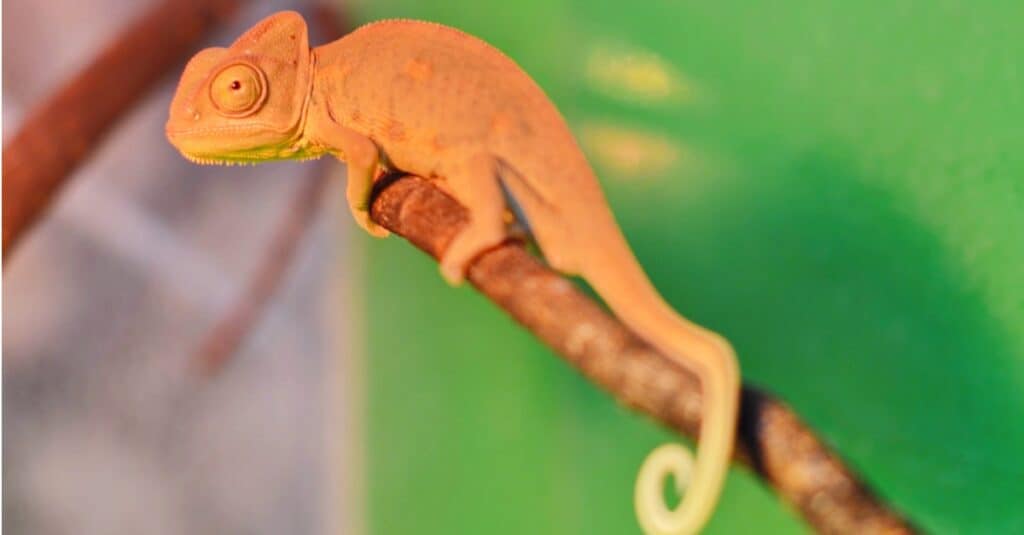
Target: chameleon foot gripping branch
x,y
430,100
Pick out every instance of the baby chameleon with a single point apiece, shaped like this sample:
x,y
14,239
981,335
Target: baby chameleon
x,y
435,102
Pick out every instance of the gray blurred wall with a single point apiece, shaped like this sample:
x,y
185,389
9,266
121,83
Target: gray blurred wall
x,y
106,427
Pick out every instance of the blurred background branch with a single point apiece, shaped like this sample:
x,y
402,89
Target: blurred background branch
x,y
773,440
134,254
230,330
64,130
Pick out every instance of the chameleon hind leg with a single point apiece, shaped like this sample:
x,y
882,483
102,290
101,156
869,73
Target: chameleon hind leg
x,y
473,181
546,222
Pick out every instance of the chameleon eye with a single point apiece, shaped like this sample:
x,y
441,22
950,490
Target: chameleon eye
x,y
238,90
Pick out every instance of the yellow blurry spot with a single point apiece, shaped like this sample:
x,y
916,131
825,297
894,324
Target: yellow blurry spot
x,y
629,152
632,74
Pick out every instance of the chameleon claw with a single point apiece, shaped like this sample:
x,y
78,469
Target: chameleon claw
x,y
370,226
453,272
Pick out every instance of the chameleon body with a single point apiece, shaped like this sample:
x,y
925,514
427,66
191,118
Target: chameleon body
x,y
435,102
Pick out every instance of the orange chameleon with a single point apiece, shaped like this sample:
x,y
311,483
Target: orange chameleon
x,y
435,102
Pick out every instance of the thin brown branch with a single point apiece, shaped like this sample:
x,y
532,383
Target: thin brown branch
x,y
223,340
63,130
772,440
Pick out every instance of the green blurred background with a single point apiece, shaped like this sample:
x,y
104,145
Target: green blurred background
x,y
835,186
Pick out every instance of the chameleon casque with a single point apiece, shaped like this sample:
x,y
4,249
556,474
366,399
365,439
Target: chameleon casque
x,y
432,101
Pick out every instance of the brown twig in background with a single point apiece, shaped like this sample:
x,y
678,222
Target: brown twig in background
x,y
772,440
63,131
227,334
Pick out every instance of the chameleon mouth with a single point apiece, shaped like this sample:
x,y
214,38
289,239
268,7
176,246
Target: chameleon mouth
x,y
247,159
238,149
204,160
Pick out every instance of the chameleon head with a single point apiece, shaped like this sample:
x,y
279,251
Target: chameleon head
x,y
245,103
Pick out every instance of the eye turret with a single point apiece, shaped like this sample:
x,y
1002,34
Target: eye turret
x,y
238,90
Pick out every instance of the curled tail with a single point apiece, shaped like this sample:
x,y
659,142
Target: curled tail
x,y
614,272
580,236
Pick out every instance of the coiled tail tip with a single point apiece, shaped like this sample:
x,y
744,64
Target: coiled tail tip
x,y
654,515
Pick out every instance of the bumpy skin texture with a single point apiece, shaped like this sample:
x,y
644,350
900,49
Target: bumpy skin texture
x,y
435,102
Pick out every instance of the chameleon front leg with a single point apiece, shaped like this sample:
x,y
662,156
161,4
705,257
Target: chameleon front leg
x,y
362,159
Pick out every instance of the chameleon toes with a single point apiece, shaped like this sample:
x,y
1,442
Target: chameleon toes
x,y
370,226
